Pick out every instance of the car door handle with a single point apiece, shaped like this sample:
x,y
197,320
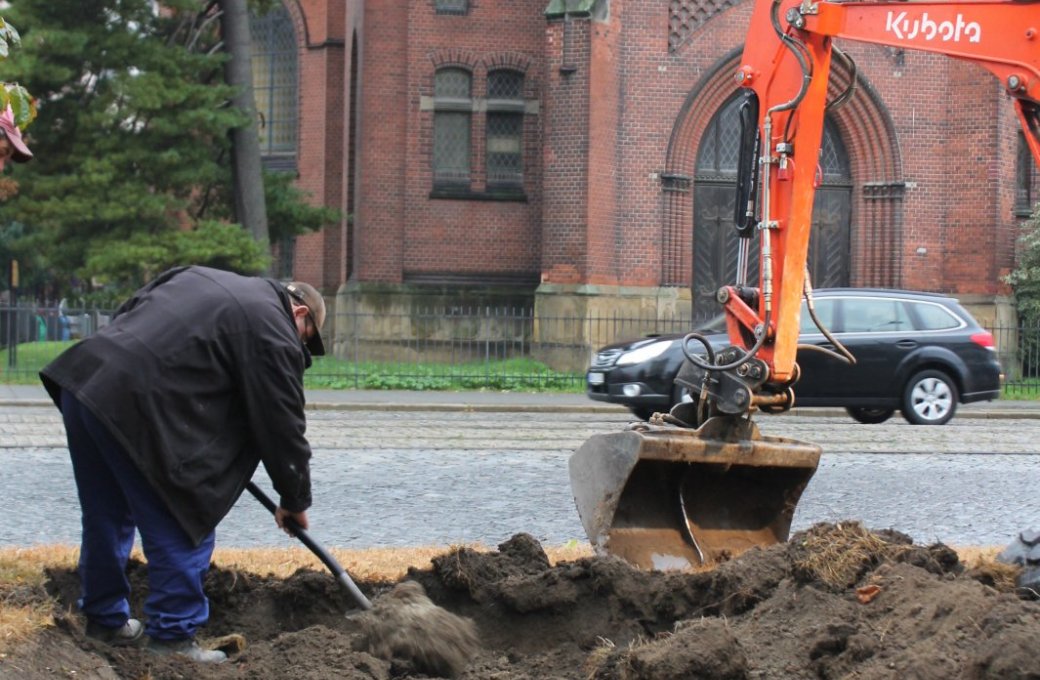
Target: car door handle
x,y
906,344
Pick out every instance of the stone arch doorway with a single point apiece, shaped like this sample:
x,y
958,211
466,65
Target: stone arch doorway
x,y
714,191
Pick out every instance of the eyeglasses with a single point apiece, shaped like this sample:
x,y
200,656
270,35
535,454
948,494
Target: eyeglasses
x,y
298,296
312,324
311,327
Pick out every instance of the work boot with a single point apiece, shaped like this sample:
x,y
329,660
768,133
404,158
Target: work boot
x,y
187,648
126,635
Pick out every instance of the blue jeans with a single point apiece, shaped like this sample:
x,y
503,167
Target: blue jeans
x,y
115,498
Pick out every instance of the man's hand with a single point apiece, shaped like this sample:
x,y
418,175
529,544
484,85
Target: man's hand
x,y
281,514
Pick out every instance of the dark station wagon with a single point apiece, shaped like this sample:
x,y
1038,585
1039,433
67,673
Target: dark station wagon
x,y
919,353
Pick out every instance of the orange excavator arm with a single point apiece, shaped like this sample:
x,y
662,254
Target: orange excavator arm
x,y
700,484
785,69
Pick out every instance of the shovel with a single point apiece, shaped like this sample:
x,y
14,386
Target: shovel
x,y
299,532
404,623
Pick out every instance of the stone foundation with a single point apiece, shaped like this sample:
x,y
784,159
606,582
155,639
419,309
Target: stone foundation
x,y
573,321
560,325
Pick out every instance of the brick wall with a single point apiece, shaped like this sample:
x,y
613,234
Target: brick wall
x,y
319,27
972,181
931,147
565,155
401,232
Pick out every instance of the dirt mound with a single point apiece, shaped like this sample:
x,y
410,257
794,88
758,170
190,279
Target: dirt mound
x,y
836,601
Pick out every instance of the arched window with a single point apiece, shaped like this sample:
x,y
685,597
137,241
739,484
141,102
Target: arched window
x,y
452,110
715,241
275,85
505,124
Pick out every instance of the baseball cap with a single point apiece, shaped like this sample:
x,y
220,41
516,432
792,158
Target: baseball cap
x,y
14,136
307,295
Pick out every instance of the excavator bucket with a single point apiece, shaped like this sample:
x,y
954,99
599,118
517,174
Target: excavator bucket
x,y
665,497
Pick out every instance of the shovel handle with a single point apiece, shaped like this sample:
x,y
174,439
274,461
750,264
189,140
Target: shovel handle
x,y
299,532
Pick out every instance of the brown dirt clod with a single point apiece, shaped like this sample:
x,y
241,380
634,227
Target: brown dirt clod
x,y
404,624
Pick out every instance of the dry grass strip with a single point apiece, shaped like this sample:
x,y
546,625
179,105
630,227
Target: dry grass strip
x,y
25,607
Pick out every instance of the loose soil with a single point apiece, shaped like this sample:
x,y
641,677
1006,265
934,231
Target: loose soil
x,y
836,601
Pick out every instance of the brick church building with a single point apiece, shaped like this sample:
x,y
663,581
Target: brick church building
x,y
579,157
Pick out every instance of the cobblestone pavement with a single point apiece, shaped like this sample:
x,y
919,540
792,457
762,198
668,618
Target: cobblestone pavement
x,y
449,477
40,427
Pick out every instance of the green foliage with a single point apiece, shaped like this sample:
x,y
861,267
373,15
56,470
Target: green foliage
x,y
8,37
220,245
12,94
288,211
133,126
131,169
519,375
261,7
1027,389
9,235
30,358
1025,278
122,264
515,375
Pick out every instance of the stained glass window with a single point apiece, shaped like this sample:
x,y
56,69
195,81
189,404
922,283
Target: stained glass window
x,y
505,123
453,109
275,81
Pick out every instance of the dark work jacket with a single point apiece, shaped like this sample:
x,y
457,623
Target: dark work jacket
x,y
200,377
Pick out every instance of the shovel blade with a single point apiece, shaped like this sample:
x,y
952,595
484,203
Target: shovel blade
x,y
675,498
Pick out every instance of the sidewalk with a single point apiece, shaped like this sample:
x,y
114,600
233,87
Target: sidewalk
x,y
406,400
392,400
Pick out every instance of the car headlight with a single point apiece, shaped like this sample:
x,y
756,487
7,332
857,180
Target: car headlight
x,y
644,353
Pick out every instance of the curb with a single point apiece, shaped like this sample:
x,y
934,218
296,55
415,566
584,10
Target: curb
x,y
26,402
409,408
465,408
823,412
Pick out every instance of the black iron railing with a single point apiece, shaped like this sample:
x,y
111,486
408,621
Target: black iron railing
x,y
449,348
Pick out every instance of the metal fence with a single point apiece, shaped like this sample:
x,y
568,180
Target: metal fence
x,y
1018,349
443,348
451,348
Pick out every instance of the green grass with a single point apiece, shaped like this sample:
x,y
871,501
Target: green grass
x,y
1026,390
30,357
517,375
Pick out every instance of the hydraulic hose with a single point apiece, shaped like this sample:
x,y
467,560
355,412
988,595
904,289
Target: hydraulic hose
x,y
696,361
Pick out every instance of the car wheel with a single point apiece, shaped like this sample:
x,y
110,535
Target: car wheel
x,y
930,398
870,416
642,412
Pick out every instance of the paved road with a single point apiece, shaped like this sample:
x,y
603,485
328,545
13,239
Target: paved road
x,y
449,473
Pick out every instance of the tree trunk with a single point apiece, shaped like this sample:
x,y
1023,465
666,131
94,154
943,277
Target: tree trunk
x,y
247,178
